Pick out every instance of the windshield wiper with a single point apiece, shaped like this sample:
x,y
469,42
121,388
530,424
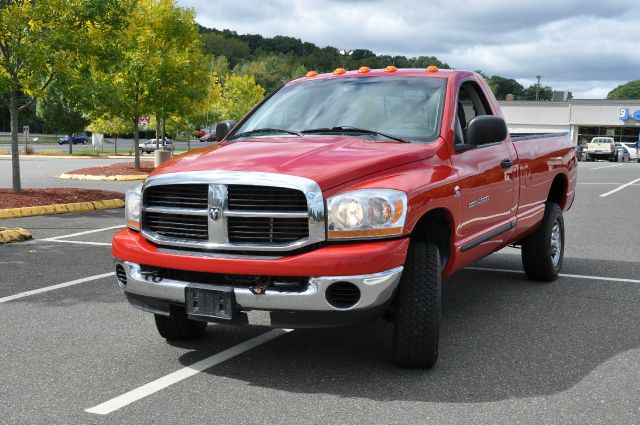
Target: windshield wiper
x,y
348,129
263,131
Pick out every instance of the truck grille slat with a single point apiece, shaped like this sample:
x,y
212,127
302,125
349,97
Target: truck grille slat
x,y
260,198
250,224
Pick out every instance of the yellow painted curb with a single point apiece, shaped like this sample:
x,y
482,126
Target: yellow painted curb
x,y
118,177
61,208
13,235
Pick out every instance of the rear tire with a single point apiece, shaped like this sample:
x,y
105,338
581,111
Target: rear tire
x,y
543,251
417,308
179,328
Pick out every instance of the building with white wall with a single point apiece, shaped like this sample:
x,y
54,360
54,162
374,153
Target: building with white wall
x,y
582,118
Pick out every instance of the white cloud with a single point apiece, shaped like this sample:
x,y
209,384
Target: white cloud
x,y
585,47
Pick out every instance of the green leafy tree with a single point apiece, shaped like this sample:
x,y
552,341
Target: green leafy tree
x,y
239,94
502,86
158,68
544,93
630,90
61,108
113,126
29,58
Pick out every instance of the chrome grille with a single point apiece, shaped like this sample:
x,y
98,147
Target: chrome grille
x,y
259,198
178,226
267,229
220,211
178,196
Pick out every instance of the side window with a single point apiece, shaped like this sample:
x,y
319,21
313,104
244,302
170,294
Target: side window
x,y
471,103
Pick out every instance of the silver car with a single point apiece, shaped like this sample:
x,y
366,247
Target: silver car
x,y
149,146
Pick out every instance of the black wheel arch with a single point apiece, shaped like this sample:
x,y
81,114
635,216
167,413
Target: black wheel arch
x,y
436,226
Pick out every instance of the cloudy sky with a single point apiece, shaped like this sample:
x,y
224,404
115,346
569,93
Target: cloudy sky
x,y
587,47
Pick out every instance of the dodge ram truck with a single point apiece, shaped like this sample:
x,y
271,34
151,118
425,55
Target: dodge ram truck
x,y
341,198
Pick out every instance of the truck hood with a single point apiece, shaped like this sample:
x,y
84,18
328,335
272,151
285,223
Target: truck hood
x,y
328,160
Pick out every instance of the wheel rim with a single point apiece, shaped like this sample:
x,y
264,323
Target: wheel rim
x,y
555,244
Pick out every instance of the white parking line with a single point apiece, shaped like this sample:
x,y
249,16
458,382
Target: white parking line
x,y
79,242
575,276
620,188
54,287
184,373
82,233
606,166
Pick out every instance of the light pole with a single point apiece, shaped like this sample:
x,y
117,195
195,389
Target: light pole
x,y
344,53
538,87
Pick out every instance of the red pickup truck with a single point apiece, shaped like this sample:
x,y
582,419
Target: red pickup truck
x,y
341,198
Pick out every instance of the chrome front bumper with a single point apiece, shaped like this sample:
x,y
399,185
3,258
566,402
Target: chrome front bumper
x,y
376,290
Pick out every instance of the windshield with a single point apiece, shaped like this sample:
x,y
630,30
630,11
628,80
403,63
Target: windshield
x,y
408,108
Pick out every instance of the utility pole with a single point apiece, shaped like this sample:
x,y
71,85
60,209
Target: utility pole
x,y
538,87
344,54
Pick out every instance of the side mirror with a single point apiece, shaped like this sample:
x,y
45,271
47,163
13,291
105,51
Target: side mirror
x,y
486,129
223,128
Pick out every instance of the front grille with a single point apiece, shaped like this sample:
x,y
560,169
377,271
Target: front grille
x,y
267,230
260,198
178,196
177,225
251,216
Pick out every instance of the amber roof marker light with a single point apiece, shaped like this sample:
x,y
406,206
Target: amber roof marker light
x,y
311,74
364,69
339,71
390,68
432,68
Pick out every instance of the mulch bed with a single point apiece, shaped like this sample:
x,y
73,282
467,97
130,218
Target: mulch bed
x,y
121,168
37,197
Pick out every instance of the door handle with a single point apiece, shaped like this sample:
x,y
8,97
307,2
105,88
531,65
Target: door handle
x,y
506,163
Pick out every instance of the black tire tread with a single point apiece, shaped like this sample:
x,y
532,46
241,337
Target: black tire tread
x,y
417,308
179,328
536,260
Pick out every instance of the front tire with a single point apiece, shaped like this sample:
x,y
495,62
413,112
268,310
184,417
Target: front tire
x,y
543,250
179,328
418,307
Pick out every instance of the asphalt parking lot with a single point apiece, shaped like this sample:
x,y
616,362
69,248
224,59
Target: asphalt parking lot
x,y
512,350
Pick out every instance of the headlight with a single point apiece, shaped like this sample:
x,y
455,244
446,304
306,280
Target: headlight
x,y
132,207
367,213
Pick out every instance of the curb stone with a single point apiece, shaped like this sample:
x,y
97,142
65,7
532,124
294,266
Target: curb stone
x,y
61,208
13,235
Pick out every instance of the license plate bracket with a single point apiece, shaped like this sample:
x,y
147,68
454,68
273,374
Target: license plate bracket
x,y
204,301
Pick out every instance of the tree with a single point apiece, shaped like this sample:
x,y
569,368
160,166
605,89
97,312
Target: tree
x,y
544,93
501,87
113,126
40,41
629,90
61,109
239,94
158,68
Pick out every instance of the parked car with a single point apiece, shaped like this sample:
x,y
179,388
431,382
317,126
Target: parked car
x,y
76,138
343,198
209,137
601,148
150,145
626,152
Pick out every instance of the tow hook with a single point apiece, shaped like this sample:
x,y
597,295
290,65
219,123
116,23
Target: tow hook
x,y
260,288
